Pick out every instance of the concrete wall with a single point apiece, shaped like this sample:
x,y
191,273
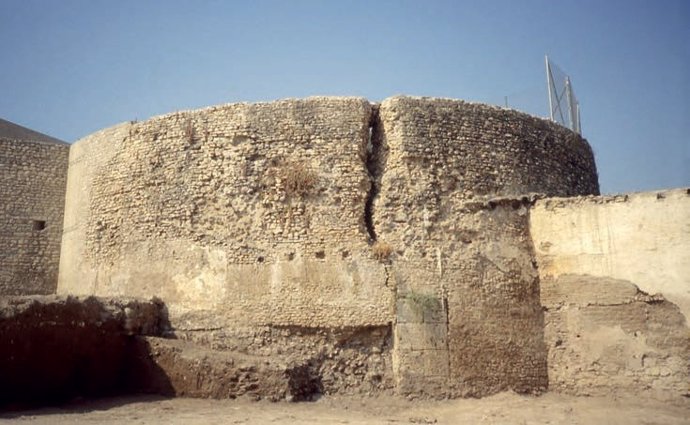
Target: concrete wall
x,y
468,318
32,194
615,275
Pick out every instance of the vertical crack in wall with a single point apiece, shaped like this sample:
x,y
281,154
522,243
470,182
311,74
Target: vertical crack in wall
x,y
387,273
447,314
374,163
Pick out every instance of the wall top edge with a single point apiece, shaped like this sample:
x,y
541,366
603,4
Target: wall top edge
x,y
658,195
365,103
58,144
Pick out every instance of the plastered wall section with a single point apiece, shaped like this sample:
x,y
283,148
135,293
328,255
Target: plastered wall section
x,y
643,238
32,193
242,214
450,175
615,287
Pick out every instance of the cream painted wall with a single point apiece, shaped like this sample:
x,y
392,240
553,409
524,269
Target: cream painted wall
x,y
643,238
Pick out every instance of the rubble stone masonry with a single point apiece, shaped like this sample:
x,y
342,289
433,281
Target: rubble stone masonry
x,y
263,224
33,175
420,245
450,204
254,212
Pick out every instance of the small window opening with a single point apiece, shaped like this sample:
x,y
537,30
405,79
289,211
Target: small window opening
x,y
39,225
320,255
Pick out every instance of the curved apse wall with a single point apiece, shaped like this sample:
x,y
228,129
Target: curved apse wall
x,y
449,181
253,211
265,214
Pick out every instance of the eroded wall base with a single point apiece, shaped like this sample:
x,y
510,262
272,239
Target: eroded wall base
x,y
54,349
606,336
348,360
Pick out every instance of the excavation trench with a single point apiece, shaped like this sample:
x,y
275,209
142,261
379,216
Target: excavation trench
x,y
55,349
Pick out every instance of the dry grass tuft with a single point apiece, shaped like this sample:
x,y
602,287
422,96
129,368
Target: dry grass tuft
x,y
297,179
381,250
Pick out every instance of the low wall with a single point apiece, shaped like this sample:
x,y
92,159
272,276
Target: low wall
x,y
54,349
32,196
615,275
605,336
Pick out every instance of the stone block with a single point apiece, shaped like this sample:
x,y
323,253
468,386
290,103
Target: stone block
x,y
421,336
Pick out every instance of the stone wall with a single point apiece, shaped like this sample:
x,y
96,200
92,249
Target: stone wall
x,y
468,318
468,306
371,241
405,245
254,212
54,349
615,276
32,195
605,336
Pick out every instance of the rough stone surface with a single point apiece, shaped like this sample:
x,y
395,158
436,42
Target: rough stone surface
x,y
355,360
316,219
468,316
56,348
333,246
446,148
606,336
33,175
252,212
192,369
189,370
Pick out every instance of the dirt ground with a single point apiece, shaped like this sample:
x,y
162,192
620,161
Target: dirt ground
x,y
505,408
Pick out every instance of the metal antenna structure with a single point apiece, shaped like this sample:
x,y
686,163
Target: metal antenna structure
x,y
563,105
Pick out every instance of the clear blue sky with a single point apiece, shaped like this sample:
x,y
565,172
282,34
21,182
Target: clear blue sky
x,y
71,67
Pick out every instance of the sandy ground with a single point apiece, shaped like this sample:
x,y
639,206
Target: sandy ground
x,y
506,408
